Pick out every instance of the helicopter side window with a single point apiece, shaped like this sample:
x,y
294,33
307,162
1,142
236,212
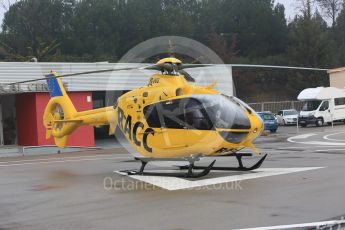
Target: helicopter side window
x,y
178,114
224,113
172,114
151,116
196,116
168,114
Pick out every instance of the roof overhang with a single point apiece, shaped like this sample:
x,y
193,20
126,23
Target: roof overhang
x,y
337,70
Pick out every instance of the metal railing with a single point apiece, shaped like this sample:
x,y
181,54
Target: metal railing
x,y
274,107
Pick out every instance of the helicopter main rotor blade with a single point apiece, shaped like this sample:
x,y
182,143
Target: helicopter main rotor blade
x,y
158,67
179,66
189,66
187,76
80,73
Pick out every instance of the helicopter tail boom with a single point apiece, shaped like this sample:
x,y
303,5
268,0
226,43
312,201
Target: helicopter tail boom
x,y
61,117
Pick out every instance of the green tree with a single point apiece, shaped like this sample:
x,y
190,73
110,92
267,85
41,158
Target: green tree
x,y
339,34
310,46
32,27
260,26
94,30
310,42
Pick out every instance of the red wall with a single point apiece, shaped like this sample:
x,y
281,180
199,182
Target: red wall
x,y
31,132
26,119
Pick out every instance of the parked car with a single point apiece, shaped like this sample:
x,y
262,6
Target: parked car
x,y
287,117
269,120
322,105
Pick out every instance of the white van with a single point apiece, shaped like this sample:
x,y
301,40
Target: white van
x,y
322,105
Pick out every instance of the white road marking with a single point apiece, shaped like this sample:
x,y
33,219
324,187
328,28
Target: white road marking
x,y
332,134
61,158
302,148
304,136
321,143
8,164
293,226
329,150
282,148
175,183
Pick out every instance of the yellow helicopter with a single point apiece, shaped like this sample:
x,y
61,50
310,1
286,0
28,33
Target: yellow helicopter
x,y
170,119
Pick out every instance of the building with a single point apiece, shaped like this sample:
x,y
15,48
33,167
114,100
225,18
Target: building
x,y
337,77
22,106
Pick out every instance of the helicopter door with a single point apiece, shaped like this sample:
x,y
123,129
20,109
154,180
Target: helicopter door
x,y
167,118
174,127
197,121
196,117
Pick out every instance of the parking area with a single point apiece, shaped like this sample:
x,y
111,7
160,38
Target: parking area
x,y
81,191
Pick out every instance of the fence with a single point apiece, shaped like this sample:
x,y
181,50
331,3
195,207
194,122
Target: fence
x,y
274,107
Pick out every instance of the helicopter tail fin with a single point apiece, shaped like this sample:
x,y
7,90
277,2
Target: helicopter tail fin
x,y
61,117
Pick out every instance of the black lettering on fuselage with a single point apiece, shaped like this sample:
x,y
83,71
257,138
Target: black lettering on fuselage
x,y
125,125
153,81
146,133
120,116
128,127
135,130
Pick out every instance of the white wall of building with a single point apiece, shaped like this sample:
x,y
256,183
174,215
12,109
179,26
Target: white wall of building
x,y
122,80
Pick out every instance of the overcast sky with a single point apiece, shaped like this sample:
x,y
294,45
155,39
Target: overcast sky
x,y
290,8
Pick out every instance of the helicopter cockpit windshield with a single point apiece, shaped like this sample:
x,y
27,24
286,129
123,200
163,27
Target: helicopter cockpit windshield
x,y
223,112
202,112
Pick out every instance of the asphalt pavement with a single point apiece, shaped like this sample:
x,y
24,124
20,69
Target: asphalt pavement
x,y
80,190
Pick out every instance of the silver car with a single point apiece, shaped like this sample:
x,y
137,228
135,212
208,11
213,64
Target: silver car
x,y
287,117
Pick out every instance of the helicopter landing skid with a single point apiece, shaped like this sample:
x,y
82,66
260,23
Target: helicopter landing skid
x,y
190,173
240,163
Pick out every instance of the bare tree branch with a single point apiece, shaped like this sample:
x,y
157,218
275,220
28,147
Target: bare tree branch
x,y
331,8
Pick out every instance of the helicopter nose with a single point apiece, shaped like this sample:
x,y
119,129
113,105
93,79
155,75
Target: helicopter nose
x,y
257,125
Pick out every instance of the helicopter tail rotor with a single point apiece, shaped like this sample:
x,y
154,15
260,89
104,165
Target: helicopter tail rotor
x,y
61,117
